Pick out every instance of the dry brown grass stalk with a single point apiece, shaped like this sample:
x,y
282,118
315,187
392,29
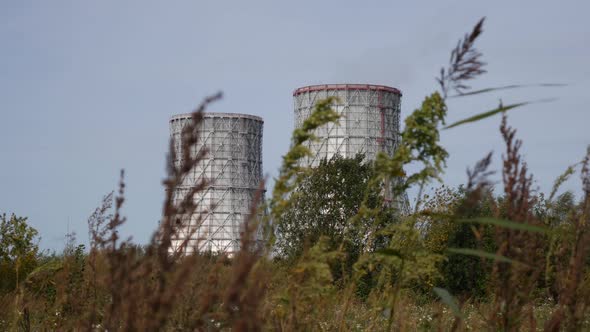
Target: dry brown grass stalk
x,y
465,63
513,283
573,303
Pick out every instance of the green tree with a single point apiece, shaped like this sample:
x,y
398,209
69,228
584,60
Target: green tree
x,y
323,205
462,275
18,251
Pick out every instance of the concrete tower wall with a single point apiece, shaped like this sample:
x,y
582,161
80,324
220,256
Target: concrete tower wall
x,y
233,166
369,123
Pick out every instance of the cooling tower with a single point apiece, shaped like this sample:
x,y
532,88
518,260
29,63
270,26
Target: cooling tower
x,y
369,123
233,165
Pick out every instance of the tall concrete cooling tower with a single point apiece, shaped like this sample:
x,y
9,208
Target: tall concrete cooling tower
x,y
233,166
370,121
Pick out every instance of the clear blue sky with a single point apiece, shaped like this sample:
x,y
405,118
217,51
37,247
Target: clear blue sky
x,y
87,87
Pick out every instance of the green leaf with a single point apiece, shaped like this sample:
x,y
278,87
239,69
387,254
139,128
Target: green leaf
x,y
495,111
484,115
437,215
482,254
507,224
561,179
390,252
449,300
50,267
507,87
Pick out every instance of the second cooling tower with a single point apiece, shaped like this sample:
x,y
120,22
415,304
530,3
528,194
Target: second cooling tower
x,y
369,120
233,166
